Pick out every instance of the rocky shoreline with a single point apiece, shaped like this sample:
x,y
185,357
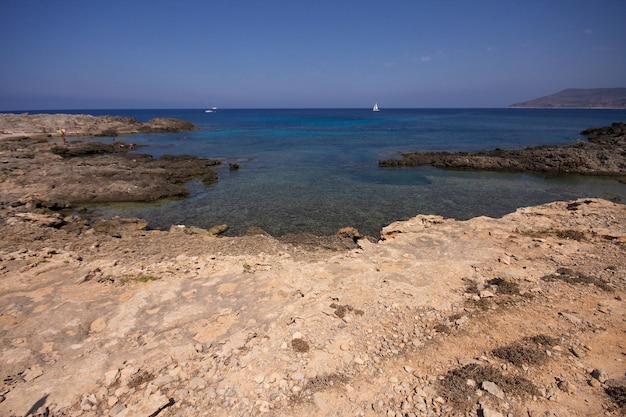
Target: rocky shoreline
x,y
521,315
37,169
52,125
604,154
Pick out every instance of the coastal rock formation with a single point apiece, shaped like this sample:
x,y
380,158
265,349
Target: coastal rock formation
x,y
85,125
522,315
41,172
603,154
605,98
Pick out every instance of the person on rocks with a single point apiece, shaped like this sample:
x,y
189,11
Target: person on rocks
x,y
63,137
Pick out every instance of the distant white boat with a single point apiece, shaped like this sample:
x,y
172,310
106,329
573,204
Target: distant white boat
x,y
375,107
211,110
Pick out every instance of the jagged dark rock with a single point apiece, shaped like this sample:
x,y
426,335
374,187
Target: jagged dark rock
x,y
603,154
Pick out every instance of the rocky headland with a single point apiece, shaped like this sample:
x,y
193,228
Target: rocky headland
x,y
520,315
604,153
586,98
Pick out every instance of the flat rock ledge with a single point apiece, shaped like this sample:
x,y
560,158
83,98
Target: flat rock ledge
x,y
12,124
604,154
517,316
41,172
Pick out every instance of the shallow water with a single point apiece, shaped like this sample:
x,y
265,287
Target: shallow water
x,y
316,170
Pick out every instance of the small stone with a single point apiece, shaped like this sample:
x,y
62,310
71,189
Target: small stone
x,y
111,377
218,229
259,378
358,360
127,374
408,369
570,317
488,412
32,373
594,383
567,386
493,389
599,375
577,351
349,233
486,294
88,402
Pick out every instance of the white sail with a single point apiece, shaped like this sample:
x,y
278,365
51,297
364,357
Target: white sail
x,y
376,107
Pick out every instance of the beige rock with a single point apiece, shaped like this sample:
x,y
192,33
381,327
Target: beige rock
x,y
402,286
98,325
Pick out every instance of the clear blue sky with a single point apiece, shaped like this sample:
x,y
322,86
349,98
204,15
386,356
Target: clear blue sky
x,y
79,54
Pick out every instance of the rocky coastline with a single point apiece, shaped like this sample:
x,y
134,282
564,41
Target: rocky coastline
x,y
52,125
38,169
603,154
520,315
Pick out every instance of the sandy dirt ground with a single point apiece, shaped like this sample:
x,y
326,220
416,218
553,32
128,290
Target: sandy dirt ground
x,y
522,315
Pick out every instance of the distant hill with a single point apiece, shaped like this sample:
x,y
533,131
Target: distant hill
x,y
613,98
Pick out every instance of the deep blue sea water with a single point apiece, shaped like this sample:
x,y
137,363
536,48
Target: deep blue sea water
x,y
316,170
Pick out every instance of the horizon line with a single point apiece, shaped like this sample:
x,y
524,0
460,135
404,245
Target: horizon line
x,y
301,108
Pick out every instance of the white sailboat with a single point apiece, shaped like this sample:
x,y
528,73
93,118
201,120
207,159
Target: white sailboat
x,y
375,107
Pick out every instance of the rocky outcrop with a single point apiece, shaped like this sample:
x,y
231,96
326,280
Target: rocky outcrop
x,y
603,154
606,98
521,315
39,167
85,125
606,134
166,124
43,173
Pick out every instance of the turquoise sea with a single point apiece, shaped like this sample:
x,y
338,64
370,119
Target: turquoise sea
x,y
315,170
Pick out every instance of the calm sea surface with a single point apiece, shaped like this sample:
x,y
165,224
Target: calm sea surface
x,y
316,170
